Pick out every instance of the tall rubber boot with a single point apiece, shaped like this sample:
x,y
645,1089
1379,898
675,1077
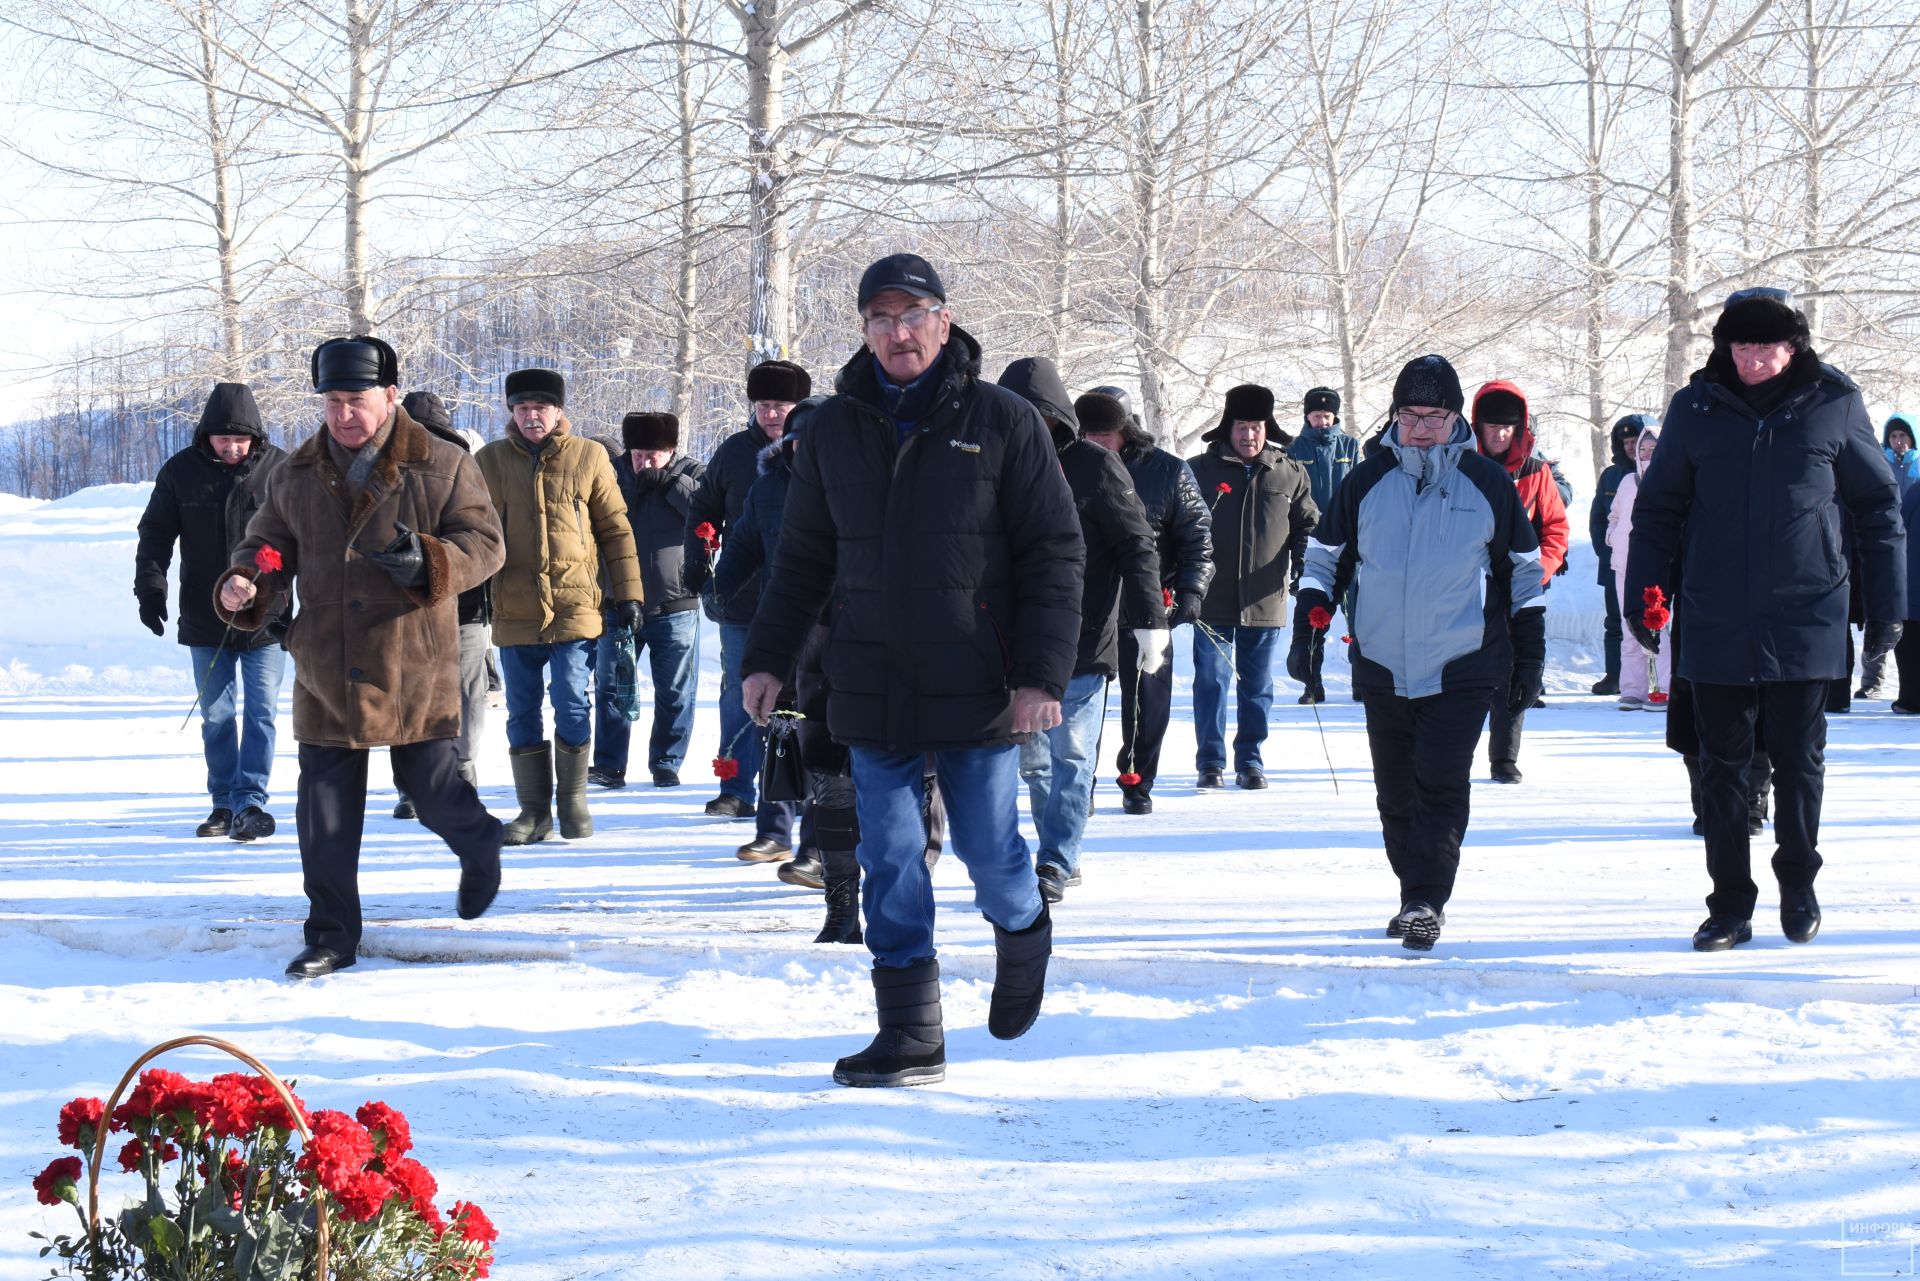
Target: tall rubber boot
x,y
570,770
533,785
911,1048
843,899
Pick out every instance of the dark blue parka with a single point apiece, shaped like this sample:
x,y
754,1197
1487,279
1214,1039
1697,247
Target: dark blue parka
x,y
1753,506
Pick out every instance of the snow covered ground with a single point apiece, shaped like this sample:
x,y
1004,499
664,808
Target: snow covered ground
x,y
626,1061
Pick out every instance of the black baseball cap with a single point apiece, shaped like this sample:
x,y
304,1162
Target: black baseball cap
x,y
909,273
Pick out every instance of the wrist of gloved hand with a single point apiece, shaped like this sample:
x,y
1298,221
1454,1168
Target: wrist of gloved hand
x,y
153,613
1152,644
627,612
403,561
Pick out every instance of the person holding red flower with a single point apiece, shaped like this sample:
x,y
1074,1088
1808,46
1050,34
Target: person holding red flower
x,y
1764,456
380,525
1444,567
1262,511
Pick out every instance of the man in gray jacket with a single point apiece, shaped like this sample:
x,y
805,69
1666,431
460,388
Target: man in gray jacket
x,y
1447,605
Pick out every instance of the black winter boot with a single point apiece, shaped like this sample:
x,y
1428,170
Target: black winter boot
x,y
570,778
843,899
1019,976
533,785
911,1048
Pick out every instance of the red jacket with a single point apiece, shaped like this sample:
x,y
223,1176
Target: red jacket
x,y
1534,479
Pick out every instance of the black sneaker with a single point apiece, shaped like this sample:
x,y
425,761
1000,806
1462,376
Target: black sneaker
x,y
664,777
1397,927
600,776
218,823
1422,927
1210,778
725,806
251,823
1251,779
403,808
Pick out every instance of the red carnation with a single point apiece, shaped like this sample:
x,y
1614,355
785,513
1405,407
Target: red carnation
x,y
362,1195
1166,597
416,1184
56,1183
1319,618
1129,779
1223,488
392,1137
136,1152
476,1228
156,1096
1656,617
80,1122
725,767
226,1106
1653,596
269,1110
1346,640
707,534
267,559
340,1149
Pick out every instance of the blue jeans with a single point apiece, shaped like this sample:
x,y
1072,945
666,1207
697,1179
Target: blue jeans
x,y
239,755
1253,649
745,739
520,670
981,786
671,643
1059,768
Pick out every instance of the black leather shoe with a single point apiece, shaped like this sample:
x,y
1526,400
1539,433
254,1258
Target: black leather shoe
x,y
1607,685
664,777
1718,936
218,823
317,962
479,882
1250,779
251,824
1210,778
805,869
602,777
725,806
1799,914
1054,881
1135,800
764,849
403,808
1506,773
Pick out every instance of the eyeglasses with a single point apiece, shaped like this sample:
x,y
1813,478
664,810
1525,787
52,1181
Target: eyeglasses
x,y
1432,422
914,319
1771,293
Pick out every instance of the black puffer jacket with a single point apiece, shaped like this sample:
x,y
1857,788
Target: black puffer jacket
x,y
1122,567
1260,527
741,566
717,501
951,552
659,500
1182,526
1753,507
205,505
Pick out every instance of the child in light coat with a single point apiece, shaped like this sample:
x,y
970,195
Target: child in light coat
x,y
1634,683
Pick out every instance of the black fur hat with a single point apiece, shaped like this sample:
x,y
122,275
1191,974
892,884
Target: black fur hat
x,y
536,384
779,380
1100,412
354,364
1429,380
1761,315
650,431
1249,402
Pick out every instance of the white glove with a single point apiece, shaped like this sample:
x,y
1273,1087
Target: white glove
x,y
1154,643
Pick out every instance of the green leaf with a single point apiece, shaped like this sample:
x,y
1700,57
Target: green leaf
x,y
167,1237
278,1254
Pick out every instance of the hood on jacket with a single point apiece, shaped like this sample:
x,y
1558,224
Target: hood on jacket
x,y
1627,429
1650,432
1036,380
779,453
1522,447
1905,421
230,411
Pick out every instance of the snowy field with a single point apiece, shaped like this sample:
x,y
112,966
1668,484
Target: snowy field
x,y
627,1061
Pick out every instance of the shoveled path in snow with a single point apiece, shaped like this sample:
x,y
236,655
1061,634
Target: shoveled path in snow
x,y
1236,1076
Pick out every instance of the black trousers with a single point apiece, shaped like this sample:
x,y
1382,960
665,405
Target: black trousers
x,y
1614,625
1794,729
1504,729
1143,717
333,806
1422,755
1906,660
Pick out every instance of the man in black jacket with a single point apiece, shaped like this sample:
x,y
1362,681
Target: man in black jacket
x,y
1625,431
1262,505
774,387
1763,456
930,506
1122,583
203,497
1178,516
658,482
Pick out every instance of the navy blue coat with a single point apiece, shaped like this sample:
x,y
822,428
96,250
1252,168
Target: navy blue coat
x,y
1754,508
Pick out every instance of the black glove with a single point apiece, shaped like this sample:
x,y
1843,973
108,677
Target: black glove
x,y
628,612
1524,688
1648,640
153,612
1186,608
1878,642
1309,645
402,558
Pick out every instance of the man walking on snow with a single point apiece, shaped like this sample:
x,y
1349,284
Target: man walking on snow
x,y
930,506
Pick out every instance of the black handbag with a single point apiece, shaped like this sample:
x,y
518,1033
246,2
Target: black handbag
x,y
783,777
